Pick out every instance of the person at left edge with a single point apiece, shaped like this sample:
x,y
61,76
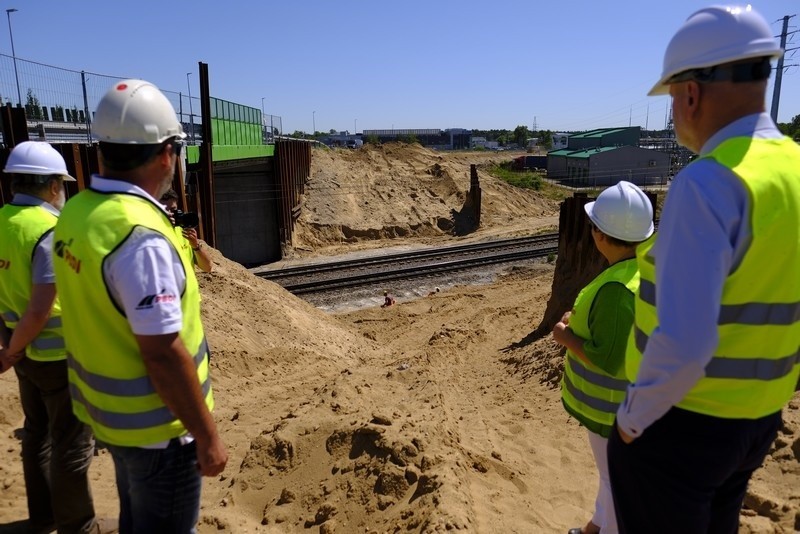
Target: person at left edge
x,y
139,366
57,448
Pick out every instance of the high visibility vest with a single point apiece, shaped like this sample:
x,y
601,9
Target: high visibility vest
x,y
755,367
589,393
23,227
109,385
185,248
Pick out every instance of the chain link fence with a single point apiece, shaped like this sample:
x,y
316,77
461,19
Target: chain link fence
x,y
59,103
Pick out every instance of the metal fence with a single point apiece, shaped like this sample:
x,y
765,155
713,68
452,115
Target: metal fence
x,y
59,103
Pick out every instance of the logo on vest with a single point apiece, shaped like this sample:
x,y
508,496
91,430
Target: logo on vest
x,y
62,251
151,300
5,264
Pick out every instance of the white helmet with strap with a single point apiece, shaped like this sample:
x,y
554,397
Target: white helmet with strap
x,y
38,159
622,211
135,112
717,35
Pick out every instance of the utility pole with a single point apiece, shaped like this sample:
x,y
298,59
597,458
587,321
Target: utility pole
x,y
776,90
191,113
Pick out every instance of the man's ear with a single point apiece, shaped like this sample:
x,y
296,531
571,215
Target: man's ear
x,y
693,91
55,186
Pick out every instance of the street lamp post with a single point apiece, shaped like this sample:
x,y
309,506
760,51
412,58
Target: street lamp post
x,y
355,126
314,122
14,54
191,113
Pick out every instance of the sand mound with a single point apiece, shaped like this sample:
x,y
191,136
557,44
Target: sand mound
x,y
399,190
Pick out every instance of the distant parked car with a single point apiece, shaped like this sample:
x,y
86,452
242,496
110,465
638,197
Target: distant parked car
x,y
354,143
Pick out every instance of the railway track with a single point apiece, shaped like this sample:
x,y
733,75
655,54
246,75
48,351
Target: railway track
x,y
319,278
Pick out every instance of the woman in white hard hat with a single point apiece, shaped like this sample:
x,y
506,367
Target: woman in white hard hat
x,y
595,332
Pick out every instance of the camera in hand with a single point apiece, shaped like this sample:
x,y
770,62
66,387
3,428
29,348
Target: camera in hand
x,y
185,220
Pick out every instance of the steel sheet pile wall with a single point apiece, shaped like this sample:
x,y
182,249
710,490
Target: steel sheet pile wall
x,y
293,167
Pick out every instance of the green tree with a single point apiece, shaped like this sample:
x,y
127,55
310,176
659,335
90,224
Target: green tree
x,y
372,139
545,138
298,134
794,127
33,108
521,135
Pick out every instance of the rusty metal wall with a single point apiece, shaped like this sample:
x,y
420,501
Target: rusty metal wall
x,y
293,168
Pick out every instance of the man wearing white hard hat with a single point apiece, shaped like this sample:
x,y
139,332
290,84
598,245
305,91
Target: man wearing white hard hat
x,y
132,323
713,355
595,332
57,448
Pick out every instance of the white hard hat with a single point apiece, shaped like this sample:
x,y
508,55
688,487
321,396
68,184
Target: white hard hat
x,y
622,211
135,112
37,158
715,36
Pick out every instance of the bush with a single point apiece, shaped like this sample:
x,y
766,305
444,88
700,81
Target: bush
x,y
523,179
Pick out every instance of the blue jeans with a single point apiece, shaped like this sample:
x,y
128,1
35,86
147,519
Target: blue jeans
x,y
159,489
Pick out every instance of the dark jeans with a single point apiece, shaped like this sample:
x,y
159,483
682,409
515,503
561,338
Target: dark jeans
x,y
159,489
687,472
57,450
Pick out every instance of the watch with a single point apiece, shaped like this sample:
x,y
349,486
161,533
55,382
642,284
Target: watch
x,y
199,246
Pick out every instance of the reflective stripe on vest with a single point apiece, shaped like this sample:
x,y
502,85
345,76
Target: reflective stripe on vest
x,y
23,229
130,387
590,394
756,365
110,385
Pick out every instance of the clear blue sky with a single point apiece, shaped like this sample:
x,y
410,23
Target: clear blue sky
x,y
410,64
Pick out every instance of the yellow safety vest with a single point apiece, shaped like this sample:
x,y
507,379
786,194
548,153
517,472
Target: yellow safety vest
x,y
186,248
110,387
23,227
589,393
756,365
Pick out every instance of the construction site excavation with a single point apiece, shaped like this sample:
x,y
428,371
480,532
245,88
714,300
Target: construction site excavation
x,y
440,413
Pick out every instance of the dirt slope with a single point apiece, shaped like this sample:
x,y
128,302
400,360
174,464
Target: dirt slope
x,y
407,191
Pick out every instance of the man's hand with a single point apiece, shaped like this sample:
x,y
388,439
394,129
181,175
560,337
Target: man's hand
x,y
211,456
191,236
625,437
565,317
7,361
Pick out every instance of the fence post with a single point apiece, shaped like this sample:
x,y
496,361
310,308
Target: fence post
x,y
86,110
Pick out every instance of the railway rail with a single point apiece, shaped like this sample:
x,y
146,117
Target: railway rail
x,y
323,277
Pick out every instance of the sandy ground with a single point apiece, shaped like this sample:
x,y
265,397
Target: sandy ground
x,y
430,416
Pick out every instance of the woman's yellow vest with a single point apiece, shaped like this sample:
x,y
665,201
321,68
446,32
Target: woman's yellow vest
x,y
755,367
589,393
23,227
109,385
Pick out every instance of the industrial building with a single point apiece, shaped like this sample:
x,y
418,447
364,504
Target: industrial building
x,y
605,166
